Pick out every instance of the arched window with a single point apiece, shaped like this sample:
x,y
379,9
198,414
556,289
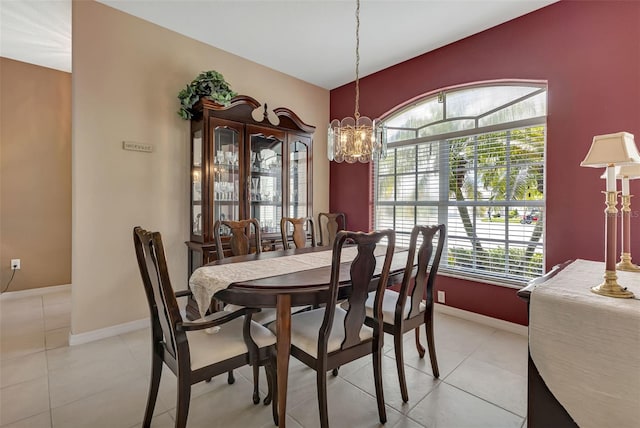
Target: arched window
x,y
473,158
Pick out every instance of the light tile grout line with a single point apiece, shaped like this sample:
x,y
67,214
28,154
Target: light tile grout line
x,y
387,354
485,400
495,330
440,381
85,396
46,357
47,374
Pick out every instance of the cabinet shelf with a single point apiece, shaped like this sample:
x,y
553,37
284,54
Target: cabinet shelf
x,y
267,203
270,173
225,166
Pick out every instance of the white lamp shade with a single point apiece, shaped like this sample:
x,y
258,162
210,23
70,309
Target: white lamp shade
x,y
612,149
631,171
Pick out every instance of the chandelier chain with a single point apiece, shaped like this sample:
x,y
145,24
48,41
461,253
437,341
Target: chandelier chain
x,y
356,115
357,138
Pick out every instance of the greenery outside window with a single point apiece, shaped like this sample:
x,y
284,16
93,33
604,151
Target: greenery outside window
x,y
472,158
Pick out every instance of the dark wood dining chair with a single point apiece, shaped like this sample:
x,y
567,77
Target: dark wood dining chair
x,y
406,310
325,338
240,242
192,354
243,241
333,222
300,235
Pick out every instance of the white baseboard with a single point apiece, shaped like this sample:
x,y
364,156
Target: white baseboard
x,y
511,327
103,333
11,295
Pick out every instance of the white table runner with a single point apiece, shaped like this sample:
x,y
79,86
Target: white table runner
x,y
208,280
587,347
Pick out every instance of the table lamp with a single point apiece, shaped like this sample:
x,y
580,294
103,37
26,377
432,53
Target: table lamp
x,y
626,173
607,151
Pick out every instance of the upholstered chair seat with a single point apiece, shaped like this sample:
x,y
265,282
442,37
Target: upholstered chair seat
x,y
208,348
305,326
389,306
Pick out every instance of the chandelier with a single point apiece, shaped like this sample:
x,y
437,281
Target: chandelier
x,y
357,138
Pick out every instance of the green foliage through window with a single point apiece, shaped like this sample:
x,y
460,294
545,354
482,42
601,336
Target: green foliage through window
x,y
486,182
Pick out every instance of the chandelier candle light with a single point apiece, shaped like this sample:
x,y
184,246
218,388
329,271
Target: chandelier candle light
x,y
357,138
608,151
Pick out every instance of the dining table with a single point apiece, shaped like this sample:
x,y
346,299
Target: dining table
x,y
299,283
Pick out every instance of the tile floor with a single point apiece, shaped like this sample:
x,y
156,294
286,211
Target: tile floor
x,y
46,383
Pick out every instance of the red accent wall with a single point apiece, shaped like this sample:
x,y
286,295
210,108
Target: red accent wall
x,y
589,53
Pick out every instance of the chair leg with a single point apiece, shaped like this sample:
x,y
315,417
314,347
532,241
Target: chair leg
x,y
156,373
256,380
270,380
273,386
419,346
321,375
397,342
432,349
230,378
377,376
182,405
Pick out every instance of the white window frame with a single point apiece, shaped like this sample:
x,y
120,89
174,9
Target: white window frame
x,y
444,202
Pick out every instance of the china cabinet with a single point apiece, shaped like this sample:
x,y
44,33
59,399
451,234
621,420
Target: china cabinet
x,y
246,168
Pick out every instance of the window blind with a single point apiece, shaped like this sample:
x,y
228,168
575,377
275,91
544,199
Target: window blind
x,y
487,188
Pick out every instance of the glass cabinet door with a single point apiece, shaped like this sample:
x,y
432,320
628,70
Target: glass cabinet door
x,y
226,174
265,183
299,176
196,183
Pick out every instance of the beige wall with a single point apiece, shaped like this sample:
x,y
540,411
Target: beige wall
x,y
126,75
35,175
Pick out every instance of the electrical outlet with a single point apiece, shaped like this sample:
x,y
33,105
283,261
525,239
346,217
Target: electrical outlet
x,y
15,264
440,296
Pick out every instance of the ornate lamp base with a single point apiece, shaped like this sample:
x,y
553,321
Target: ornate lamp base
x,y
611,288
625,263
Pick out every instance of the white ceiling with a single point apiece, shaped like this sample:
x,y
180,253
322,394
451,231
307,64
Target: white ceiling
x,y
313,40
37,32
